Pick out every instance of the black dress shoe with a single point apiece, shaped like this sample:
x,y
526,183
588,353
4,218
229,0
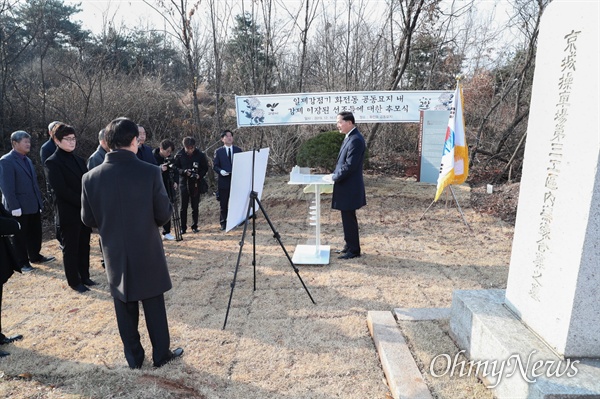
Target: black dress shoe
x,y
349,255
43,259
341,251
4,354
26,268
80,288
7,340
177,353
89,282
174,355
195,230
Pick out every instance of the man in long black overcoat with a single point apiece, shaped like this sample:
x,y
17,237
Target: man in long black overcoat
x,y
125,198
349,187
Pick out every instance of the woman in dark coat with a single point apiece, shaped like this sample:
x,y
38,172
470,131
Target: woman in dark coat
x,y
8,264
65,170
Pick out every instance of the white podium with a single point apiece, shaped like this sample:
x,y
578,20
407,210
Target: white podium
x,y
313,253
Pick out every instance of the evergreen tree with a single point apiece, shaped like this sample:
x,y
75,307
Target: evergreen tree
x,y
247,67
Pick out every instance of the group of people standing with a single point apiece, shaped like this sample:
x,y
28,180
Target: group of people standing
x,y
125,199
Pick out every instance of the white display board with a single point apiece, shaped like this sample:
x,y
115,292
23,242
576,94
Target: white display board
x,y
241,183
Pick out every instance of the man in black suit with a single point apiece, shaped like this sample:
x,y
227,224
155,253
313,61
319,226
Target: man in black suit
x,y
223,165
65,170
126,200
349,187
8,264
21,196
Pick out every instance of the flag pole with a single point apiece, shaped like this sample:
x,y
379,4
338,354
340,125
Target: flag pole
x,y
454,165
430,205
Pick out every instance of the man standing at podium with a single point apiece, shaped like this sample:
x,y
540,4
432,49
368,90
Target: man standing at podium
x,y
349,187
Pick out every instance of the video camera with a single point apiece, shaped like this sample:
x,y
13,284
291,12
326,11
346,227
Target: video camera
x,y
170,162
193,172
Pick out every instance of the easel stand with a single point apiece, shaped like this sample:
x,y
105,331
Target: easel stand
x,y
462,215
251,213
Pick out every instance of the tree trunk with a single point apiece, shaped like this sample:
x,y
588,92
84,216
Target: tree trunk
x,y
411,10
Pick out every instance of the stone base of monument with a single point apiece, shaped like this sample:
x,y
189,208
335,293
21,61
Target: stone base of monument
x,y
509,357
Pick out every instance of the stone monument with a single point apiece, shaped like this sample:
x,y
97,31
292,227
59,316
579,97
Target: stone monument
x,y
550,312
554,276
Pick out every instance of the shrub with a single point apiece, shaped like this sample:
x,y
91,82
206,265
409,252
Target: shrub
x,y
322,150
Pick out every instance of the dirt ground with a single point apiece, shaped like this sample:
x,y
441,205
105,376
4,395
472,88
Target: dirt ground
x,y
277,343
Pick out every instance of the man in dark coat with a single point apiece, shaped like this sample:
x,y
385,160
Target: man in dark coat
x,y
49,146
223,165
96,159
98,156
47,149
144,152
8,264
21,196
349,187
126,200
64,170
192,165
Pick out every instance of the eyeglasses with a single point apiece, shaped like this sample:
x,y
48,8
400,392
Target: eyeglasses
x,y
70,139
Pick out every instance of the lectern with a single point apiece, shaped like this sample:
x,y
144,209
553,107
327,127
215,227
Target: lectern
x,y
313,253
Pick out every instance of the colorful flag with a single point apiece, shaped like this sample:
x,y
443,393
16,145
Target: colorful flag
x,y
454,168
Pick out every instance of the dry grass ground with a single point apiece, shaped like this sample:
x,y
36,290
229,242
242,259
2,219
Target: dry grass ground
x,y
277,344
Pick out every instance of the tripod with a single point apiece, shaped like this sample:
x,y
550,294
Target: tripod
x,y
176,217
251,213
457,204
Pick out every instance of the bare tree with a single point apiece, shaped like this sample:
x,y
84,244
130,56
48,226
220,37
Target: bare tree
x,y
217,48
178,15
514,90
410,12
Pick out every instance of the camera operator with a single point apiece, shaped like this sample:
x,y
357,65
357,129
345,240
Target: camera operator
x,y
192,165
170,176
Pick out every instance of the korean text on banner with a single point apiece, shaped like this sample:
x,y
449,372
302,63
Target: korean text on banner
x,y
454,168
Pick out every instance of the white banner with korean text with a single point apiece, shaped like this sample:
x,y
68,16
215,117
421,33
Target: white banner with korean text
x,y
322,108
